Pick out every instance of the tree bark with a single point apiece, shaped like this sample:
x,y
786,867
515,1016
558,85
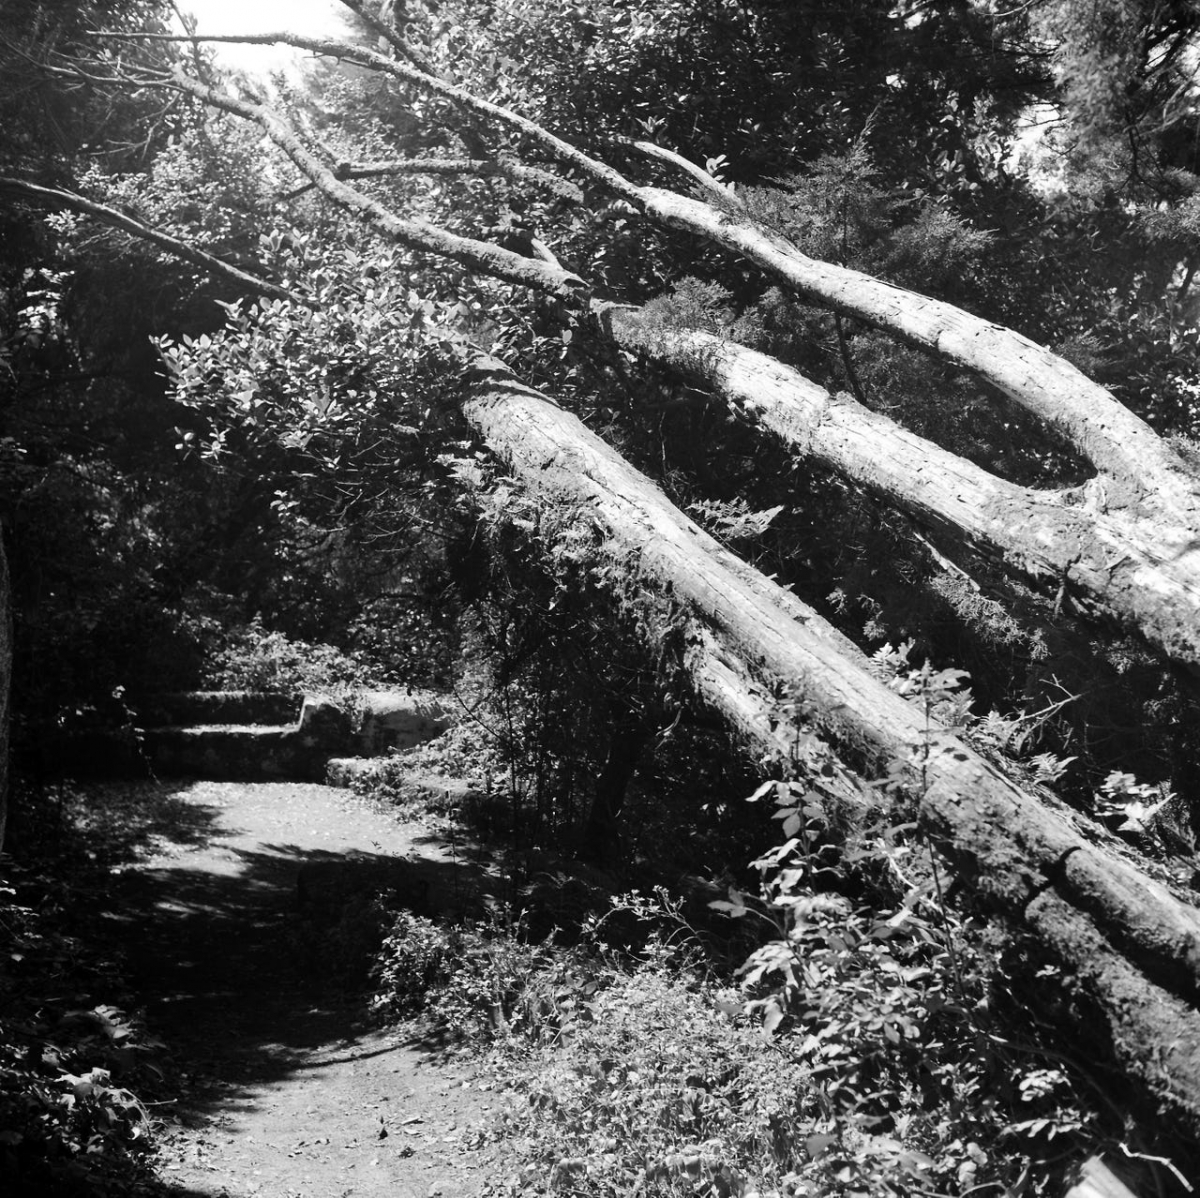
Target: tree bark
x,y
1122,937
1139,572
6,662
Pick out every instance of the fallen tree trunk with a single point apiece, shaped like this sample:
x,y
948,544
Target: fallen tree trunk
x,y
1111,565
1125,546
1122,937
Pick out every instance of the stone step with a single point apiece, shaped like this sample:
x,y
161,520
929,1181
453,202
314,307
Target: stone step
x,y
247,735
250,752
231,752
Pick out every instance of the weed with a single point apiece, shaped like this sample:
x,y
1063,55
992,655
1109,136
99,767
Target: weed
x,y
479,982
666,1088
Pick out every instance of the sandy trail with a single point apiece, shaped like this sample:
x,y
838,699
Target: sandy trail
x,y
286,1094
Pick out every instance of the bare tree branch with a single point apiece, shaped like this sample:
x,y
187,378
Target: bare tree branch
x,y
483,167
1152,548
726,195
415,234
556,147
390,35
55,198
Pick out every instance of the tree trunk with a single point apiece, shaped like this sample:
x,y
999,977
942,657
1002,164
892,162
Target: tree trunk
x,y
1138,572
1121,936
6,661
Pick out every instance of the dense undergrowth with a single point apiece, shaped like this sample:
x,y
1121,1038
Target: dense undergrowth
x,y
858,1050
841,1020
78,1072
856,1025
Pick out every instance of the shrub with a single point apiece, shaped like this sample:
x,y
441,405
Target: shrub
x,y
254,659
666,1089
70,1120
477,983
416,958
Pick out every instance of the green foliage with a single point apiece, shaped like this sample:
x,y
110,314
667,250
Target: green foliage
x,y
876,1008
417,958
71,1064
479,982
834,210
251,658
734,521
1125,72
332,421
661,1089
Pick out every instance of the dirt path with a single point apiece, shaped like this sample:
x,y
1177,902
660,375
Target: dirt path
x,y
287,1094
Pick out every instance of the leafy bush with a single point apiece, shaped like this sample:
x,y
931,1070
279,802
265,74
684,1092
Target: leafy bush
x,y
666,1089
255,659
479,982
417,958
70,1067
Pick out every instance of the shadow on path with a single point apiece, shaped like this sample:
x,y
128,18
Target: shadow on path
x,y
235,907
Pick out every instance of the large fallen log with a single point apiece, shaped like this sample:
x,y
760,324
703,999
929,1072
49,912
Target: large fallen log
x,y
1133,570
1124,546
1126,940
1122,937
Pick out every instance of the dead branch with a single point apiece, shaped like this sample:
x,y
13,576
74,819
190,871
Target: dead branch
x,y
55,198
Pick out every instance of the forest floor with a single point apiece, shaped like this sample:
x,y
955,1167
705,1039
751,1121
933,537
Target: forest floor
x,y
285,1088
